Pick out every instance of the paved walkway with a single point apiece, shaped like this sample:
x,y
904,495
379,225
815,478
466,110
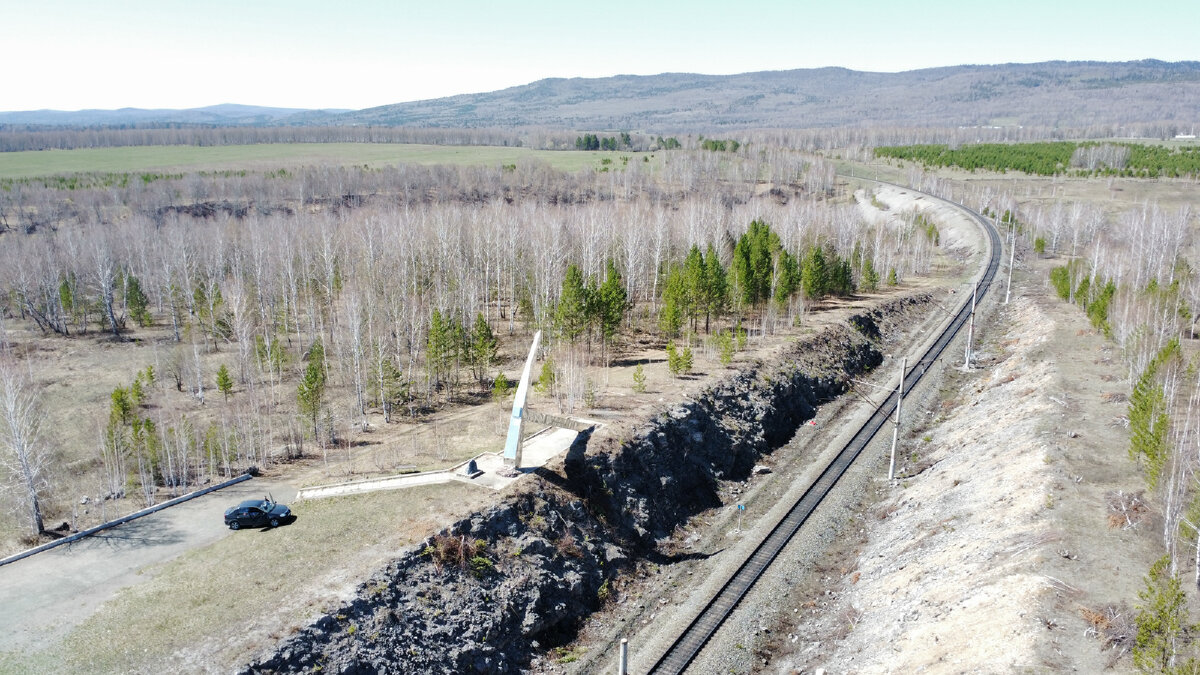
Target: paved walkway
x,y
539,449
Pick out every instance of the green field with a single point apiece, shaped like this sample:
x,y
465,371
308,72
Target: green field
x,y
269,157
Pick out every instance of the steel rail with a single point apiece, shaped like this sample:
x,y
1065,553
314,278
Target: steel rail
x,y
688,645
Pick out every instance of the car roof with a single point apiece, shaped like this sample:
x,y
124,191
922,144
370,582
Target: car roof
x,y
251,502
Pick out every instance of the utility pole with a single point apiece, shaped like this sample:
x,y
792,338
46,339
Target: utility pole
x,y
623,660
896,428
1012,254
971,329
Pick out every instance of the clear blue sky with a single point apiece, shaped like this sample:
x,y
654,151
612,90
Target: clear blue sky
x,y
73,54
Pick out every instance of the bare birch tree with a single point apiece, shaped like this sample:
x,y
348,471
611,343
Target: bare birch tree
x,y
24,457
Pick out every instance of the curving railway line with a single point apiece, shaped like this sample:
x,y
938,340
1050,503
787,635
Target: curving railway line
x,y
696,635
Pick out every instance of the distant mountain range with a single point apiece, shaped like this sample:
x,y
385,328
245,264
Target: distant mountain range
x,y
225,114
1050,94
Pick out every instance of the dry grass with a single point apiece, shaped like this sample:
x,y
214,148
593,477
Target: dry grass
x,y
567,546
1098,620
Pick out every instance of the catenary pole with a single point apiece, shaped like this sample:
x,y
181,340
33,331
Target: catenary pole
x,y
1012,254
896,428
971,329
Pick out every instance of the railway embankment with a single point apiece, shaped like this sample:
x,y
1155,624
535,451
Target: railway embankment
x,y
496,589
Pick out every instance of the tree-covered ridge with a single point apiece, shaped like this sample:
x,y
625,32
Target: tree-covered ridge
x,y
1088,158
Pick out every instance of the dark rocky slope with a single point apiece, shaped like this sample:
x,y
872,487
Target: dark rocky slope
x,y
489,592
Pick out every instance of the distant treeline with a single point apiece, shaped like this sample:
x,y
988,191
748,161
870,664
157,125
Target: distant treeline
x,y
1089,158
21,138
718,145
854,142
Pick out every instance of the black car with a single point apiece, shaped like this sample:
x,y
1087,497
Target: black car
x,y
256,513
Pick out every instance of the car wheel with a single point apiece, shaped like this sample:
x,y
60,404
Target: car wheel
x,y
234,525
274,522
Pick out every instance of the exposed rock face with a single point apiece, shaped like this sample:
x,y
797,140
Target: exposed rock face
x,y
490,591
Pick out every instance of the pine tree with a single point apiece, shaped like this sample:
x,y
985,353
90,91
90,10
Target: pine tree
x,y
1160,620
674,310
1097,309
639,379
1149,421
310,394
121,410
224,381
137,393
842,281
686,360
762,270
611,302
674,362
546,378
442,347
716,287
870,278
394,388
136,301
694,286
786,279
571,314
752,263
481,349
725,347
614,301
500,388
814,274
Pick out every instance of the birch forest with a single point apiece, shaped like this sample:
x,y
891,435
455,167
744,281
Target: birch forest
x,y
306,300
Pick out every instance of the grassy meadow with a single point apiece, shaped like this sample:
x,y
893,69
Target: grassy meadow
x,y
272,156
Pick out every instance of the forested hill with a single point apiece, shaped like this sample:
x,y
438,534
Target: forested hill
x,y
1062,94
1052,94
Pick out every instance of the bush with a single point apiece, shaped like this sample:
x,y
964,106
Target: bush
x,y
450,551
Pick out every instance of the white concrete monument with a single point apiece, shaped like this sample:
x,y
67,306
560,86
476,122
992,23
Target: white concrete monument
x,y
516,423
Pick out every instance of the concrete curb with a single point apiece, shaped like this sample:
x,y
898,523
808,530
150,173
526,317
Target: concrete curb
x,y
125,519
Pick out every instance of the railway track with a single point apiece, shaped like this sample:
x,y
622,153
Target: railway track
x,y
681,653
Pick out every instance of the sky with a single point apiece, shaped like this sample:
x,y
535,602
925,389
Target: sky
x,y
79,54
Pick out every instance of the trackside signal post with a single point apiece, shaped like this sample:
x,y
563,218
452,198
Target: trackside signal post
x,y
516,423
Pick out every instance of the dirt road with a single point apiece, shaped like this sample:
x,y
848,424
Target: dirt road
x,y
47,594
